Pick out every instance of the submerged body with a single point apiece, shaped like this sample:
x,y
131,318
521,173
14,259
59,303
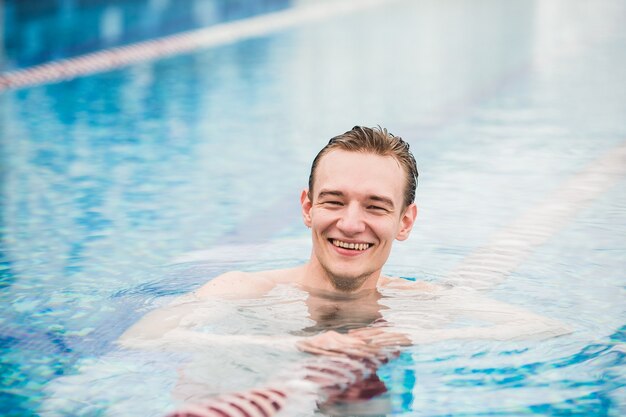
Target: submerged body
x,y
413,312
226,337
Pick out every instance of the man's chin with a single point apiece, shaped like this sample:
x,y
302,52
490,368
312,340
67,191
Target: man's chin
x,y
347,283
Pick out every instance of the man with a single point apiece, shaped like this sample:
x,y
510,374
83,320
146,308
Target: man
x,y
360,198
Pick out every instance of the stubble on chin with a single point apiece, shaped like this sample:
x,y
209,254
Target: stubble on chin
x,y
346,283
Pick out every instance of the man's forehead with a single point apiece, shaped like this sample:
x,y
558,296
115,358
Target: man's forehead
x,y
367,173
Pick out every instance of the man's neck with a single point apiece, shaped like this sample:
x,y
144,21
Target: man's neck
x,y
315,278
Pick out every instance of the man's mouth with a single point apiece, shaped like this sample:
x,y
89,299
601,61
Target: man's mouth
x,y
350,246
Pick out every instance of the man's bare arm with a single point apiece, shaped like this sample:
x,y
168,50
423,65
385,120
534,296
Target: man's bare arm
x,y
236,285
169,325
502,321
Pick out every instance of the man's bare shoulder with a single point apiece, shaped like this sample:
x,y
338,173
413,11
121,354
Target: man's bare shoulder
x,y
238,284
405,284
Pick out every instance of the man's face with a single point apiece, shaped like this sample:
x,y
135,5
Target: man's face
x,y
355,212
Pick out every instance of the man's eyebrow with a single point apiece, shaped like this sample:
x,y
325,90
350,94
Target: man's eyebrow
x,y
382,199
326,193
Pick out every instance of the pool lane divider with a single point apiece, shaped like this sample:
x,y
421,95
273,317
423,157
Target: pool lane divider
x,y
189,41
491,264
321,379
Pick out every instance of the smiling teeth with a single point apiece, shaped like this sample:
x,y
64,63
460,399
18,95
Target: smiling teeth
x,y
354,246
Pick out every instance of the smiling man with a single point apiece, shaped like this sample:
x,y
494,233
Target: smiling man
x,y
360,199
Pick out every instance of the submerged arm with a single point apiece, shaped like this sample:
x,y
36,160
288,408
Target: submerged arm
x,y
498,321
173,326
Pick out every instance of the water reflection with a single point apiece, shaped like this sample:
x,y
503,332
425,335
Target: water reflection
x,y
342,313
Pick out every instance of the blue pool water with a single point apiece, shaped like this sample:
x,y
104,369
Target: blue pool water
x,y
124,189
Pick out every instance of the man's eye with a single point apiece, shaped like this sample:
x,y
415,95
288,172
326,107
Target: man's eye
x,y
377,208
333,203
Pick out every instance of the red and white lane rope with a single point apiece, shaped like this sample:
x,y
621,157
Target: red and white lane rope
x,y
325,378
117,57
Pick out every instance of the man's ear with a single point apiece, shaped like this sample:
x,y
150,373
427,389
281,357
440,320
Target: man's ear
x,y
406,222
306,204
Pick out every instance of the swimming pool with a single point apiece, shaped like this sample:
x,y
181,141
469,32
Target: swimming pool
x,y
125,188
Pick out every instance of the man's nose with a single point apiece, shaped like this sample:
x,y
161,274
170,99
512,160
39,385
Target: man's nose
x,y
351,220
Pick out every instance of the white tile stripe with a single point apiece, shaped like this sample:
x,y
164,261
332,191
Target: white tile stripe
x,y
220,34
507,249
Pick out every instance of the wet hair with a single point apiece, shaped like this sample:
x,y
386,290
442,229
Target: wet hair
x,y
379,142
